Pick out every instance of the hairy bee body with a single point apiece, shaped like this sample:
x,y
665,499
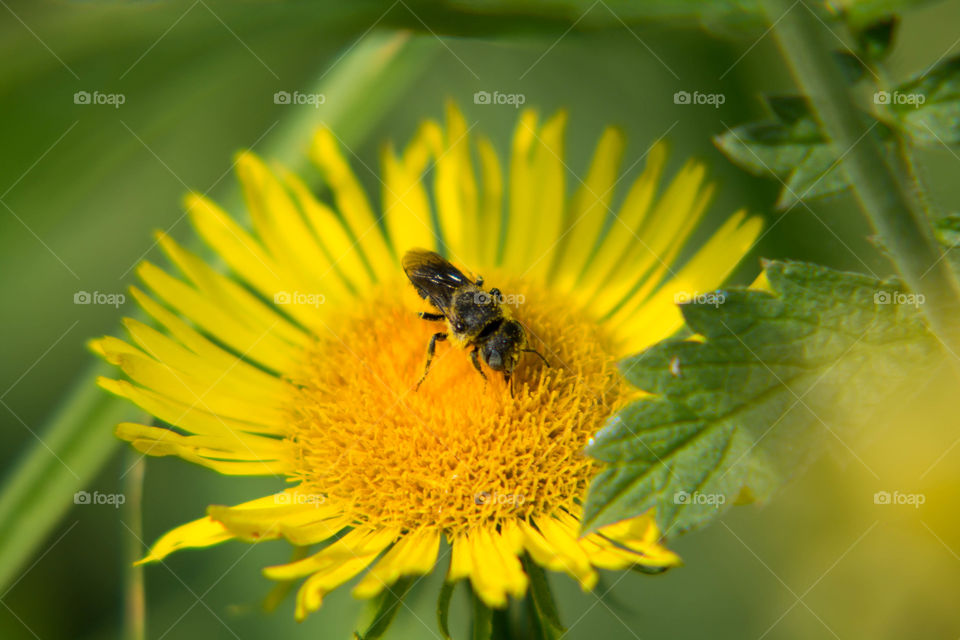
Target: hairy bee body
x,y
474,317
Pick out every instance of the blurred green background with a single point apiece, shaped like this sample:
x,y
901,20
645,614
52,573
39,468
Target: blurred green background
x,y
82,187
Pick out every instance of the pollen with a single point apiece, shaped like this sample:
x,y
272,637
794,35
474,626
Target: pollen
x,y
461,451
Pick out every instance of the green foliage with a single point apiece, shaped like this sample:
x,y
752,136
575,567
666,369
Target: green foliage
x,y
482,620
739,413
546,618
947,230
77,441
443,608
387,606
930,106
790,147
875,39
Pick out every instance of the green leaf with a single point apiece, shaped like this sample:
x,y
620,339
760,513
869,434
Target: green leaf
x,y
482,620
737,414
790,148
851,66
818,174
875,39
38,492
947,230
491,16
929,105
388,605
69,452
443,608
544,606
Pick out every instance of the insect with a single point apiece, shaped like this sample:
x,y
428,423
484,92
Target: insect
x,y
475,319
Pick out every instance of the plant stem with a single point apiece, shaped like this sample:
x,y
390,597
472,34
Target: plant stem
x,y
881,191
135,609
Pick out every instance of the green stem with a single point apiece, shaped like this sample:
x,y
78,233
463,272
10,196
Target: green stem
x,y
134,622
881,191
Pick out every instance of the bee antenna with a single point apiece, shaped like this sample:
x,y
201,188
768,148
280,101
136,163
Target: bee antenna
x,y
539,354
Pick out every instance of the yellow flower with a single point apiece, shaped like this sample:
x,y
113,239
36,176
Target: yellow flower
x,y
302,361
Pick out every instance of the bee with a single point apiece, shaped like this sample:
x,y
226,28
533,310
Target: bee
x,y
474,317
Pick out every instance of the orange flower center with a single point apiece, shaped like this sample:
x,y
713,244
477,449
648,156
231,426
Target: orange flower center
x,y
460,451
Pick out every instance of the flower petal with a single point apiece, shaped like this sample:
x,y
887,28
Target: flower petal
x,y
414,554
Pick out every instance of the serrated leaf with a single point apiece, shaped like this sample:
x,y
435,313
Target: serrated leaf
x,y
790,110
792,149
766,148
745,408
817,175
875,39
850,65
929,105
947,230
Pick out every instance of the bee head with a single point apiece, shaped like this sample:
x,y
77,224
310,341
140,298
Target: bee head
x,y
502,350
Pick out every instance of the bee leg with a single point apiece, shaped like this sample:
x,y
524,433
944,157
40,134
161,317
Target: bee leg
x,y
539,354
506,378
432,317
475,359
479,282
431,348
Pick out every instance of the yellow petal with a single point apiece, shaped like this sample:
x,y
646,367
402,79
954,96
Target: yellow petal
x,y
590,206
414,554
405,204
353,204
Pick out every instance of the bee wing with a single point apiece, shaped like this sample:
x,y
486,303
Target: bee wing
x,y
434,277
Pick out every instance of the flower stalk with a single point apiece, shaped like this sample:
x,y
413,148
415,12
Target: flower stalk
x,y
882,192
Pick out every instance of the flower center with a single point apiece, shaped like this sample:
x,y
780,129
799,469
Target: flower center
x,y
460,451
